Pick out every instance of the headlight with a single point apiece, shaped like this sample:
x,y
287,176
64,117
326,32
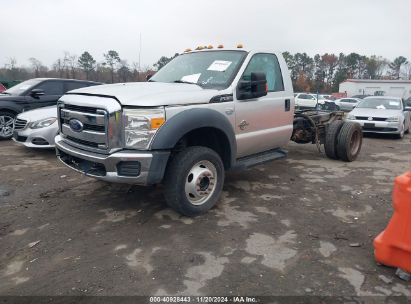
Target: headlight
x,y
393,119
43,123
350,117
140,126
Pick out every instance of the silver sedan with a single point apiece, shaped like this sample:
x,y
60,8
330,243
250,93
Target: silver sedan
x,y
381,114
37,128
347,104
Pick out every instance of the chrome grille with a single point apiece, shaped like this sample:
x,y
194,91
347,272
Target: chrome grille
x,y
373,118
20,124
94,125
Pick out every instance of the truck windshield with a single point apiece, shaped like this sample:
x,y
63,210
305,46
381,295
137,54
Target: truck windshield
x,y
208,69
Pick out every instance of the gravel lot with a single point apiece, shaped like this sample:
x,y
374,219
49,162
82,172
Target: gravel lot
x,y
298,226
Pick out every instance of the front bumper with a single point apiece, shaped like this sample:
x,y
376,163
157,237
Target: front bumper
x,y
37,138
383,127
125,166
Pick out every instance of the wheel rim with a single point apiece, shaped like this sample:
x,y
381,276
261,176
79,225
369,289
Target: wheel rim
x,y
201,182
6,125
355,142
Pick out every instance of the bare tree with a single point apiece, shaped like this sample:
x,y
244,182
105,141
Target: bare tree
x,y
136,71
12,66
72,63
58,67
36,65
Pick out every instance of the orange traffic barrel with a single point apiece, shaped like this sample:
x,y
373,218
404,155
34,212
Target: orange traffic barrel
x,y
392,247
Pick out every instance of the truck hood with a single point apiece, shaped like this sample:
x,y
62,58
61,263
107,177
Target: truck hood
x,y
152,94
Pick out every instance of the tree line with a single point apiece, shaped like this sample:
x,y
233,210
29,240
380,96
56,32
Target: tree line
x,y
111,69
322,73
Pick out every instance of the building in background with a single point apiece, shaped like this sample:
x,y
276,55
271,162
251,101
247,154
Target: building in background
x,y
398,88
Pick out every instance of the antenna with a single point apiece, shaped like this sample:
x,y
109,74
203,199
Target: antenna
x,y
139,56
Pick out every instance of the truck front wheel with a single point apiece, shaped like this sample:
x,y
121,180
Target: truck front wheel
x,y
194,180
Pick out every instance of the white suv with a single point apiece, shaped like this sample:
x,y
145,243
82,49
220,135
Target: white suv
x,y
305,100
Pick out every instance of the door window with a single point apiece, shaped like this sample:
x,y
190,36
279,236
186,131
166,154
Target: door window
x,y
306,96
51,87
73,85
267,64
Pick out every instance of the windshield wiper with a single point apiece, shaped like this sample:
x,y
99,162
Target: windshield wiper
x,y
188,82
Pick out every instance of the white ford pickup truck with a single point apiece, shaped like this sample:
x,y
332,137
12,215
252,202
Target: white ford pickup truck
x,y
205,112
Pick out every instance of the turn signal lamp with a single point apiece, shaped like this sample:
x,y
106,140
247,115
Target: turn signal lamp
x,y
157,122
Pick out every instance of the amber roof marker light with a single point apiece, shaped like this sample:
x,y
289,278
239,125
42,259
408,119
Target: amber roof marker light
x,y
239,46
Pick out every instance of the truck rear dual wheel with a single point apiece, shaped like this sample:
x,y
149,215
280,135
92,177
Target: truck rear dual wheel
x,y
194,180
349,141
343,140
331,137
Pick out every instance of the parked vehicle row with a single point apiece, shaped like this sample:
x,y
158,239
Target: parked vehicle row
x,y
38,128
33,94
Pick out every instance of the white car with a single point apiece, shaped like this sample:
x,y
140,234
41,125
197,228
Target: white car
x,y
382,114
305,100
347,104
37,128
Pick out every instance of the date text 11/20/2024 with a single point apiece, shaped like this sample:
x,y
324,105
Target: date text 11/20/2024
x,y
202,299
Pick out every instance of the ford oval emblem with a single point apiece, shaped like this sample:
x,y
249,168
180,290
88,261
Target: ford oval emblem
x,y
76,125
370,118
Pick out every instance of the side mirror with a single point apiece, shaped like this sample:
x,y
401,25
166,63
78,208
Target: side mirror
x,y
256,87
36,93
148,77
407,108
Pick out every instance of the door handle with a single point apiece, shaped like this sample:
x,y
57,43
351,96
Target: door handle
x,y
229,111
287,105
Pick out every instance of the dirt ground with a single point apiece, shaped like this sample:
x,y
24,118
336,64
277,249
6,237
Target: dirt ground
x,y
300,226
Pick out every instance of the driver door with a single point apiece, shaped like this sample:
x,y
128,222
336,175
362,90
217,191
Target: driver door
x,y
262,122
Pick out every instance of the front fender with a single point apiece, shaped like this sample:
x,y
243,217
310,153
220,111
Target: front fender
x,y
10,106
188,120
